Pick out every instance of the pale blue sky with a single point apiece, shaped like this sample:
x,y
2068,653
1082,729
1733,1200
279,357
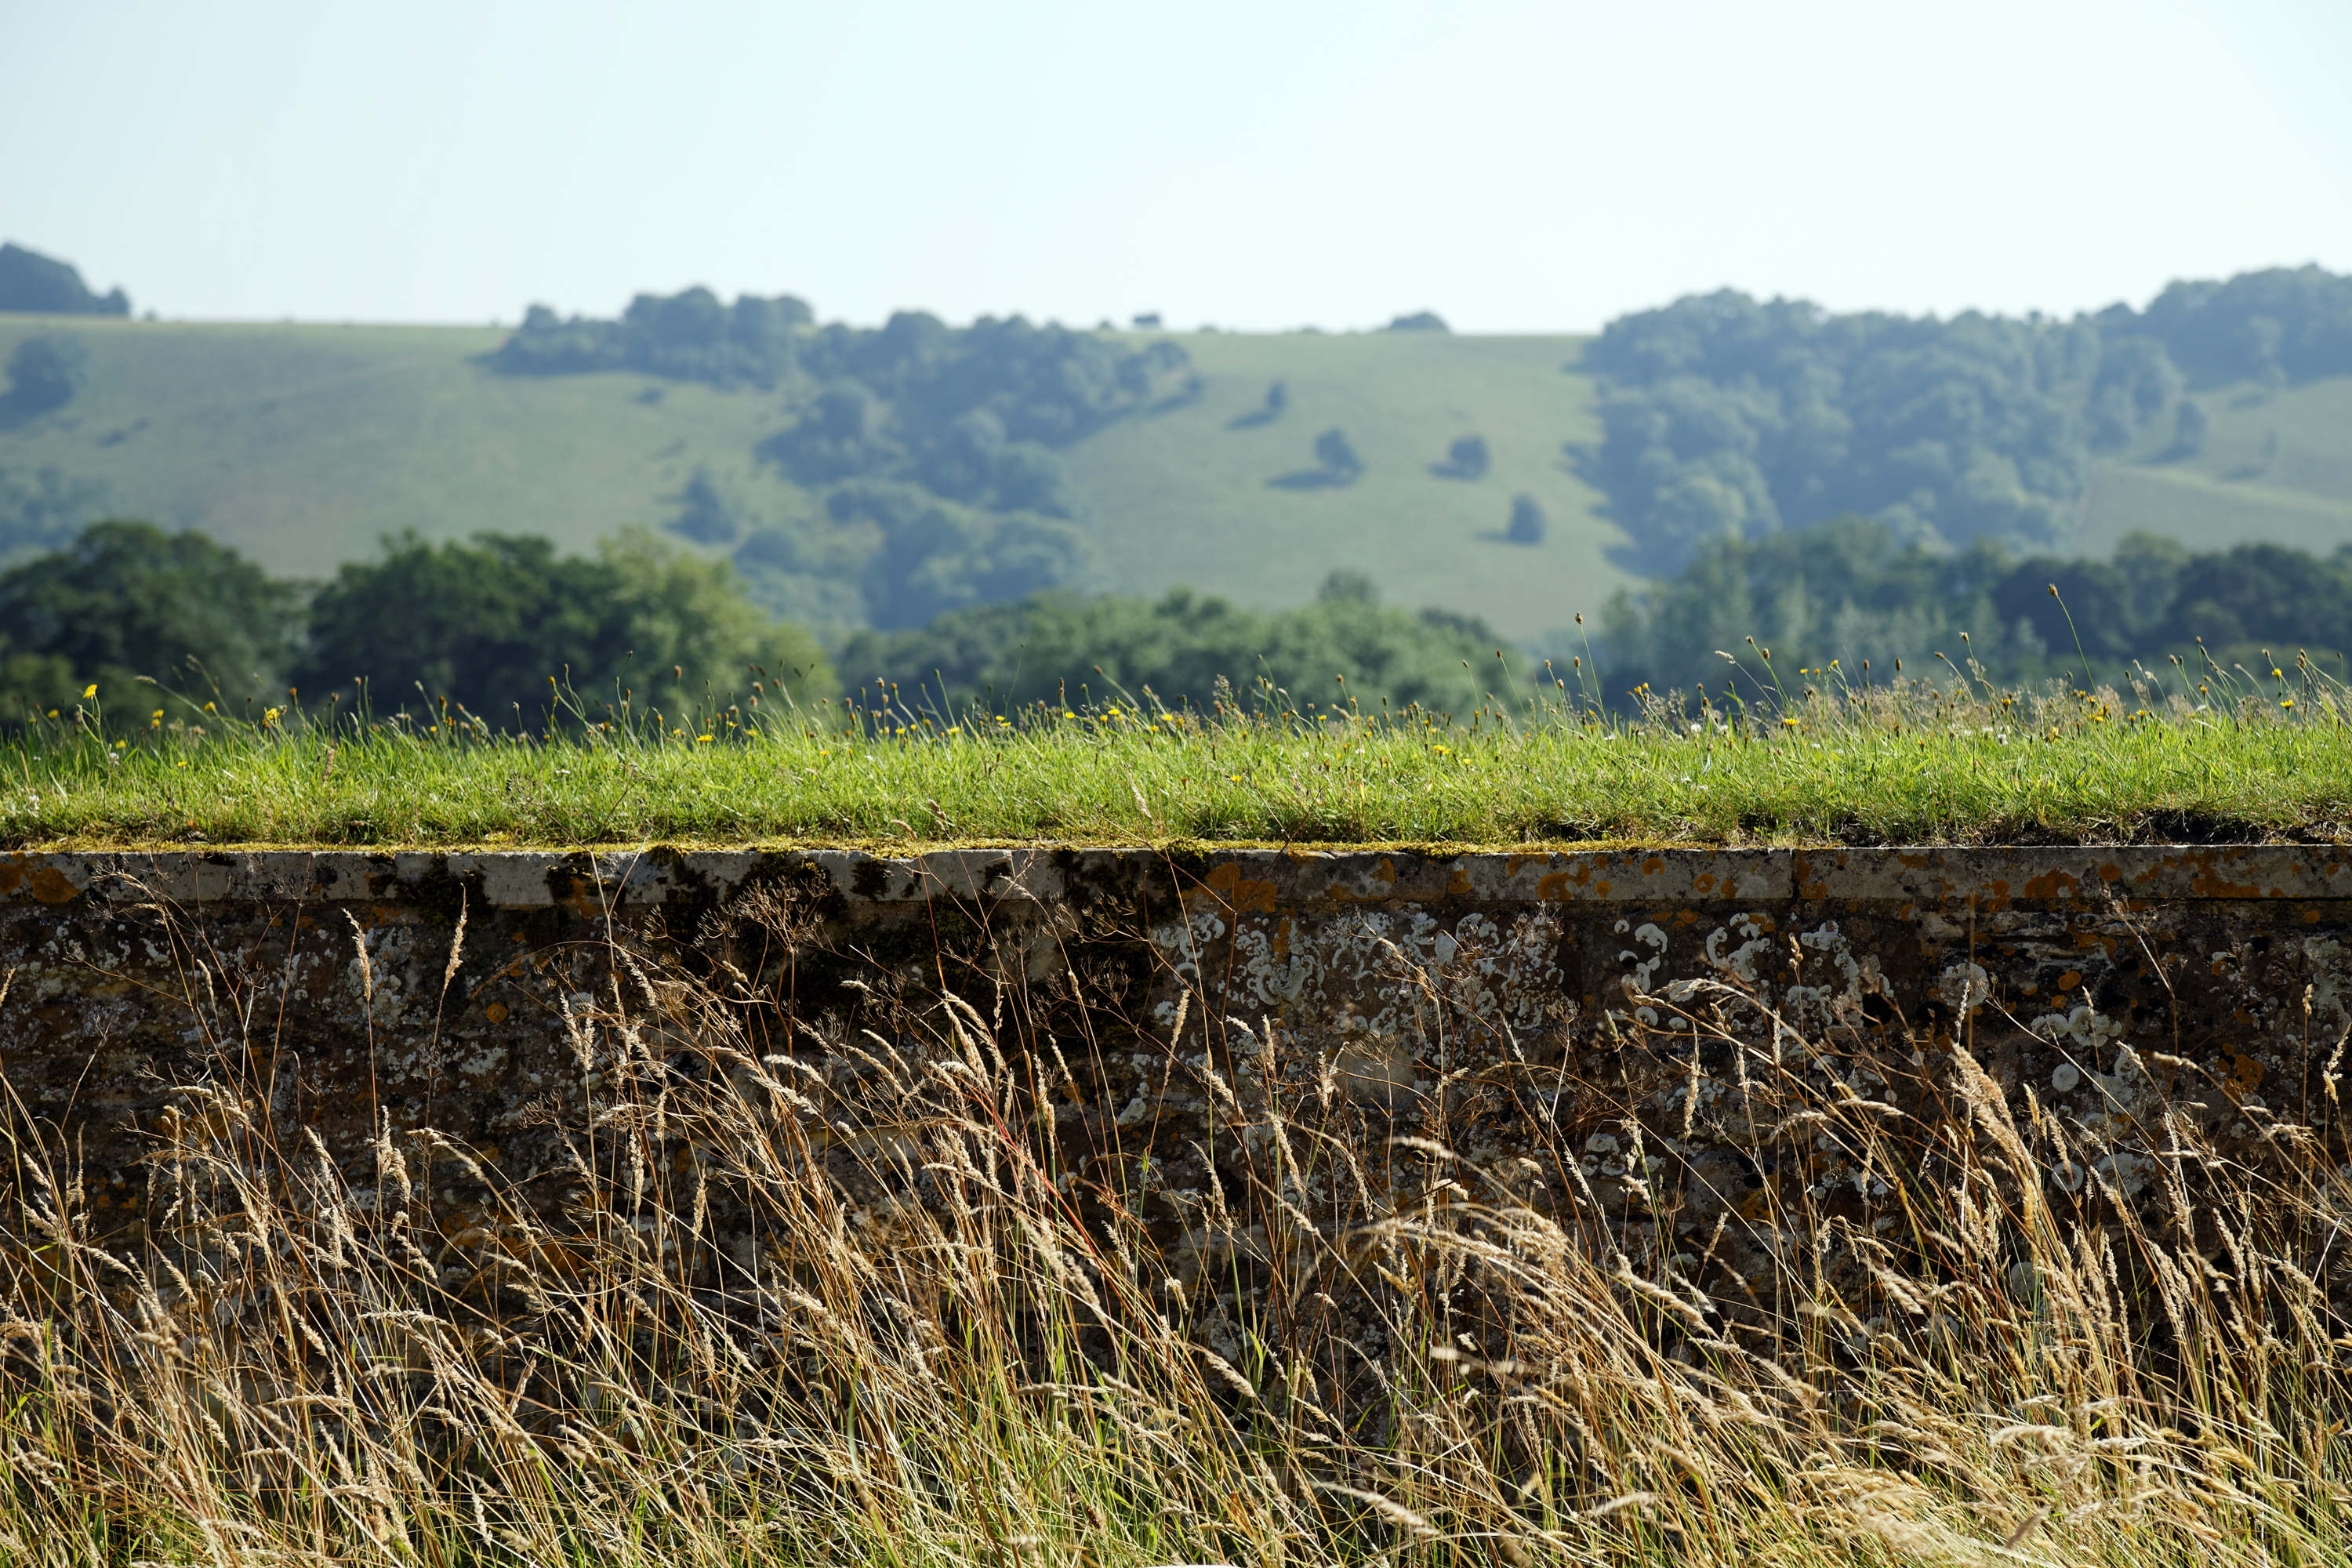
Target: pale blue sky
x,y
1253,163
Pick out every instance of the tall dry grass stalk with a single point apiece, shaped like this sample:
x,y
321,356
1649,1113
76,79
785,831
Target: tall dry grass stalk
x,y
852,1301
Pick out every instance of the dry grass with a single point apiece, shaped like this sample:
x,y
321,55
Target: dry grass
x,y
951,1340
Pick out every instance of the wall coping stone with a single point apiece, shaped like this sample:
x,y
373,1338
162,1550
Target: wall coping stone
x,y
584,880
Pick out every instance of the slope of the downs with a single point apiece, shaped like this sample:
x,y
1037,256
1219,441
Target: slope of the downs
x,y
2274,464
1228,493
299,445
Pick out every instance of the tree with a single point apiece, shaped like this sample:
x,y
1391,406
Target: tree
x,y
1419,321
1336,455
1277,398
486,624
44,374
1467,458
126,600
1528,521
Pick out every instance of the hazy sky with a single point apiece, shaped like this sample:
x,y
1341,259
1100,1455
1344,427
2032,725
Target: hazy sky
x,y
1514,165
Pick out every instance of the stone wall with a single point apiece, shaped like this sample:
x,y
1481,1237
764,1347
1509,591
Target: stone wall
x,y
1674,1043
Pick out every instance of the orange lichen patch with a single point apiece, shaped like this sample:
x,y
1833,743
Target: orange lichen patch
x,y
2204,883
1241,894
46,883
2068,980
2049,885
582,898
495,1012
1383,885
2246,1074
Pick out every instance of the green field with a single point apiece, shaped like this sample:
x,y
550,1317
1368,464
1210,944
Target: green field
x,y
300,445
2275,466
1184,496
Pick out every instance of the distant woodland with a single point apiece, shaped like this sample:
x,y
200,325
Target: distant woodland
x,y
932,447
1723,417
1856,589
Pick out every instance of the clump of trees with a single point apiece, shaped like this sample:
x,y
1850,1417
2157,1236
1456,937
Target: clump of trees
x,y
1723,416
686,336
124,600
32,281
1184,647
933,449
480,624
1856,589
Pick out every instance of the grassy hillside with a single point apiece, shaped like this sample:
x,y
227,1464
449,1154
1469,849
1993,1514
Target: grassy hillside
x,y
2276,465
301,444
1194,495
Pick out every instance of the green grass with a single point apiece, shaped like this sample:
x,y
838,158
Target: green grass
x,y
1912,762
300,445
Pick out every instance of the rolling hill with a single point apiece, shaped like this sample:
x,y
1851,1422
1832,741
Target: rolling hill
x,y
300,445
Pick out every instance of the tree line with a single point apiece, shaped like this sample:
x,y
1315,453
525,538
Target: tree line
x,y
506,630
1856,589
1186,648
501,629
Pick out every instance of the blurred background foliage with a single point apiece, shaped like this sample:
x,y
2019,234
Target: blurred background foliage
x,y
1854,589
1184,648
